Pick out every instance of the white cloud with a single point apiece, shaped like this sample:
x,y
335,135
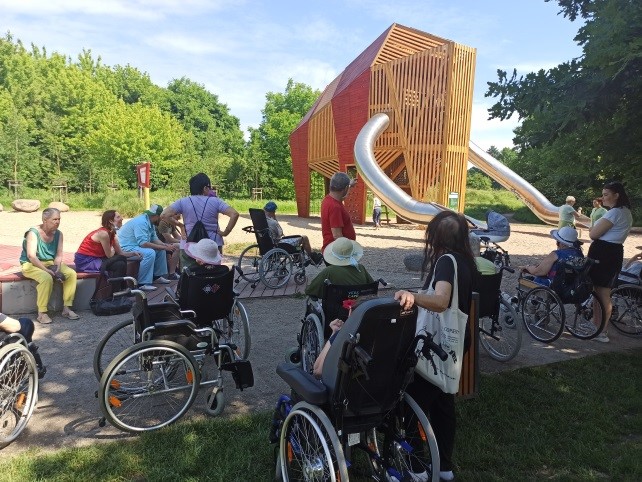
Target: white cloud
x,y
493,132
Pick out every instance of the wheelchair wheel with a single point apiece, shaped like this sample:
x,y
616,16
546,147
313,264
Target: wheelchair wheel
x,y
117,339
309,448
502,338
249,262
18,391
626,315
235,329
148,386
579,318
276,268
404,446
543,314
311,341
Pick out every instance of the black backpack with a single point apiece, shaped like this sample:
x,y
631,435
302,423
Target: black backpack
x,y
198,231
572,282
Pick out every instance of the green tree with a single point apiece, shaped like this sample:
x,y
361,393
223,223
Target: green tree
x,y
281,115
582,120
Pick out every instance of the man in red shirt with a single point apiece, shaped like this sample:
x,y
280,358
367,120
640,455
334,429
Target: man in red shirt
x,y
335,220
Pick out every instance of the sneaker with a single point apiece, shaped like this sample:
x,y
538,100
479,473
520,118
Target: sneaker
x,y
602,338
448,475
173,277
147,288
161,280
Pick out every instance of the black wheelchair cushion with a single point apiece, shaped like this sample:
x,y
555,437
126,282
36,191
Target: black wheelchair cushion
x,y
303,383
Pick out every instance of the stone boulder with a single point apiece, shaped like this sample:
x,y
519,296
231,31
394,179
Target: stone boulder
x,y
25,205
62,207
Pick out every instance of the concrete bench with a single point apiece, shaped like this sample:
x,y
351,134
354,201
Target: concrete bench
x,y
18,293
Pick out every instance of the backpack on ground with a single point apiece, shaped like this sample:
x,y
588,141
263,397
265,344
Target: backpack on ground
x,y
198,231
103,302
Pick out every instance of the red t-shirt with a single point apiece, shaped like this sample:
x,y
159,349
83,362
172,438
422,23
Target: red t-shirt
x,y
89,247
334,215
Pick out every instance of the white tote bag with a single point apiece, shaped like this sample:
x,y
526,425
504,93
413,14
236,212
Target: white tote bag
x,y
449,330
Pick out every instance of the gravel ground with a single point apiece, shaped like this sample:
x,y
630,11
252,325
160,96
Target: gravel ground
x,y
67,413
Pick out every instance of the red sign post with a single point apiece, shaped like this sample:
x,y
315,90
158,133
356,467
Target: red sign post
x,y
143,175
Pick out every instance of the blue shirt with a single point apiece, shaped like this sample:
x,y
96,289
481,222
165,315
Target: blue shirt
x,y
135,232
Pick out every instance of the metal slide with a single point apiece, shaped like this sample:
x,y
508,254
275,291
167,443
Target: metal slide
x,y
420,212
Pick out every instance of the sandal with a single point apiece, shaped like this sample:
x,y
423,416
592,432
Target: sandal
x,y
70,315
43,318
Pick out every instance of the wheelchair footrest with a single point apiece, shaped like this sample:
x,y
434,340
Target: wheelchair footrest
x,y
241,373
303,383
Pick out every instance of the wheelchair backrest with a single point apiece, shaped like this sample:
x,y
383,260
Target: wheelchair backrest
x,y
488,286
371,358
208,291
572,282
261,230
334,296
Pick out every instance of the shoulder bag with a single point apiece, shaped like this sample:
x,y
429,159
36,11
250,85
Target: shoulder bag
x,y
448,330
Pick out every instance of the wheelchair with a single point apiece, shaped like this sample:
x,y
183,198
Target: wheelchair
x,y
546,312
315,328
272,264
500,332
154,381
18,386
208,293
359,406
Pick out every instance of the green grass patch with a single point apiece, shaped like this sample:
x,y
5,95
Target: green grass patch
x,y
576,420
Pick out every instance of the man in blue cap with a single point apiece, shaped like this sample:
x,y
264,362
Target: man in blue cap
x,y
276,233
139,235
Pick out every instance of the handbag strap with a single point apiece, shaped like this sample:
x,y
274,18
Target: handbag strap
x,y
455,294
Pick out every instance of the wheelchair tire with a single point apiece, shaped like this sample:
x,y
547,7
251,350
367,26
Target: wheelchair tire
x,y
309,448
117,339
311,341
215,402
626,316
18,391
276,268
235,329
543,314
501,339
579,318
395,452
248,264
148,386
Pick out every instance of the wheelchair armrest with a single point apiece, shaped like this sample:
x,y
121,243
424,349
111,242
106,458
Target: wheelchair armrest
x,y
303,383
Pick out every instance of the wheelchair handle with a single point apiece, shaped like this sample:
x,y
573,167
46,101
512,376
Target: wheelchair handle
x,y
507,268
248,229
382,281
130,281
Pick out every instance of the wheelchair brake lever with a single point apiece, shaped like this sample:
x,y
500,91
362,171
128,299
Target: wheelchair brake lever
x,y
383,282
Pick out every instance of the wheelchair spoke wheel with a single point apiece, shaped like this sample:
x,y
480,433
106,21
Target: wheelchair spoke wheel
x,y
235,330
404,446
249,262
501,338
309,447
543,314
148,386
276,268
585,320
117,339
311,342
18,391
626,315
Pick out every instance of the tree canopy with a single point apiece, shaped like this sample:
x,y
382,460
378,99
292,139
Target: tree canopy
x,y
581,120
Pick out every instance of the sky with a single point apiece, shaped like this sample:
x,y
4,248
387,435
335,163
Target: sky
x,y
242,49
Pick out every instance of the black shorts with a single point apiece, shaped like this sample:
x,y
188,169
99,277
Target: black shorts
x,y
610,257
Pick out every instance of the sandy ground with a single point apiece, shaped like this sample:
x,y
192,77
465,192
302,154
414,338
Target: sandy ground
x,y
67,413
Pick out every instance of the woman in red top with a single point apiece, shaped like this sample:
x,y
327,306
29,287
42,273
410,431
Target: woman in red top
x,y
100,250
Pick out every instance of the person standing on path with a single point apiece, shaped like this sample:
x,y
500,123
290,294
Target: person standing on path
x,y
568,214
376,211
608,235
335,220
598,210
